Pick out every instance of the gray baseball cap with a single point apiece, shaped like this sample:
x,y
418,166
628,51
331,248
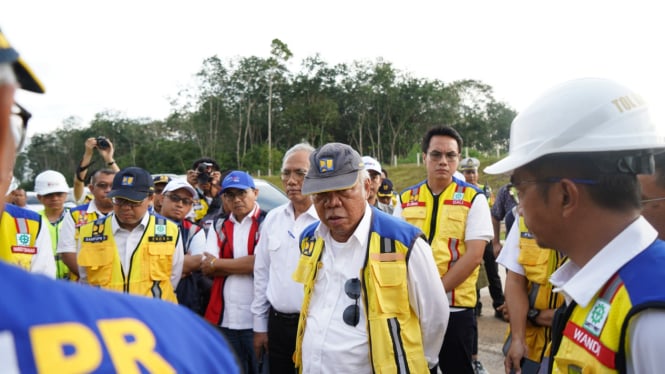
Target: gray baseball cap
x,y
333,167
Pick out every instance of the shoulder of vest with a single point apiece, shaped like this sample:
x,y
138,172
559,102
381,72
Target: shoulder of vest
x,y
390,227
465,185
644,271
310,230
18,212
414,187
83,207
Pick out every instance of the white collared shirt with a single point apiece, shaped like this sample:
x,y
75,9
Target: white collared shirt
x,y
43,261
66,239
329,344
511,251
647,329
238,290
276,258
126,244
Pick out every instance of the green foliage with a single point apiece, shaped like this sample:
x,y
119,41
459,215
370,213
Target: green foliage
x,y
246,111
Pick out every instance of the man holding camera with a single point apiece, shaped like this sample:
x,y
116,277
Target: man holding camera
x,y
205,177
105,149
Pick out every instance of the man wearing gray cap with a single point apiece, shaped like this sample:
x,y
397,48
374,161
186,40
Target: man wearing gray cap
x,y
132,250
373,298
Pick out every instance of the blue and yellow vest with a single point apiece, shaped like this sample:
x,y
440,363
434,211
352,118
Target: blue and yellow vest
x,y
18,232
152,261
538,263
445,233
61,270
393,328
595,337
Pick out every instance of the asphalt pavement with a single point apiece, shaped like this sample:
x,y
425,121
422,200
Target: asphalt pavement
x,y
491,332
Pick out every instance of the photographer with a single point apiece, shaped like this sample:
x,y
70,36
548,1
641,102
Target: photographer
x,y
205,177
105,149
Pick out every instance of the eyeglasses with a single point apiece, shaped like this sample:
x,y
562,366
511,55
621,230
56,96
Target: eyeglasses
x,y
231,195
646,201
19,124
102,185
524,182
351,314
124,202
325,197
177,199
450,156
297,174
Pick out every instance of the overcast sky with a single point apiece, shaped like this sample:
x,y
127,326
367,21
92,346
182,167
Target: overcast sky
x,y
131,56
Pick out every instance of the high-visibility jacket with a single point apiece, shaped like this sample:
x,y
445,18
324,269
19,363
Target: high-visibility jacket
x,y
150,270
538,263
18,234
61,270
594,338
443,220
394,332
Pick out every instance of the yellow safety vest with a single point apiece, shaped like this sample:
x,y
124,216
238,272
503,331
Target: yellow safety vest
x,y
200,208
18,233
445,233
594,338
61,270
151,265
395,337
538,263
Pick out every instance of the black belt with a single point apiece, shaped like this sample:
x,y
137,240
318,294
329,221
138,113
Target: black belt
x,y
281,315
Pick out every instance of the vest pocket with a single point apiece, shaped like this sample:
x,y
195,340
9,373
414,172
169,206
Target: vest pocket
x,y
452,224
161,260
390,292
567,365
415,215
534,260
98,264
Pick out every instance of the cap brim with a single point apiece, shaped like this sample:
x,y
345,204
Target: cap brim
x,y
53,190
128,194
506,165
336,183
238,186
26,77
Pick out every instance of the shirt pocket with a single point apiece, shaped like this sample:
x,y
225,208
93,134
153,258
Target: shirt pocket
x,y
98,264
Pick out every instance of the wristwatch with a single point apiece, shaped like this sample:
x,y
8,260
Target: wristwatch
x,y
531,315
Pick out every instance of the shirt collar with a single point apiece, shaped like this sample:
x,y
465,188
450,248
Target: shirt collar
x,y
233,219
582,284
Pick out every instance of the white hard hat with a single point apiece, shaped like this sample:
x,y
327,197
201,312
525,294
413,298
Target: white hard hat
x,y
581,116
50,181
371,164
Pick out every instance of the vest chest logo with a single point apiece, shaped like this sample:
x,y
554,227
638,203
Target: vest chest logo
x,y
97,234
597,317
458,198
307,247
23,239
83,219
160,229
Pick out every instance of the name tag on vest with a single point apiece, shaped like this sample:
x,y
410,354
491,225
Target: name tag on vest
x,y
160,239
95,239
24,249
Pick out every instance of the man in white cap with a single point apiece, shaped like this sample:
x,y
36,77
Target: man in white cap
x,y
51,188
177,200
373,167
132,250
54,326
373,299
574,157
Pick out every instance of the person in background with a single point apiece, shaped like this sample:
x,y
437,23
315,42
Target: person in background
x,y
373,167
160,182
51,188
373,299
205,177
52,326
385,194
193,290
100,206
574,157
132,250
455,217
232,267
105,149
277,297
17,197
504,209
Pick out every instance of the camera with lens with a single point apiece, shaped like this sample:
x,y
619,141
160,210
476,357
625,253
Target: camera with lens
x,y
103,143
204,173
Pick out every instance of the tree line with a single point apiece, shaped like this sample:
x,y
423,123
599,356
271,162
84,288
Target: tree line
x,y
247,111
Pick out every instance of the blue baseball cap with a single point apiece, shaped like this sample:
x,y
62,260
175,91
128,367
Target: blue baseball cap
x,y
238,179
132,183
